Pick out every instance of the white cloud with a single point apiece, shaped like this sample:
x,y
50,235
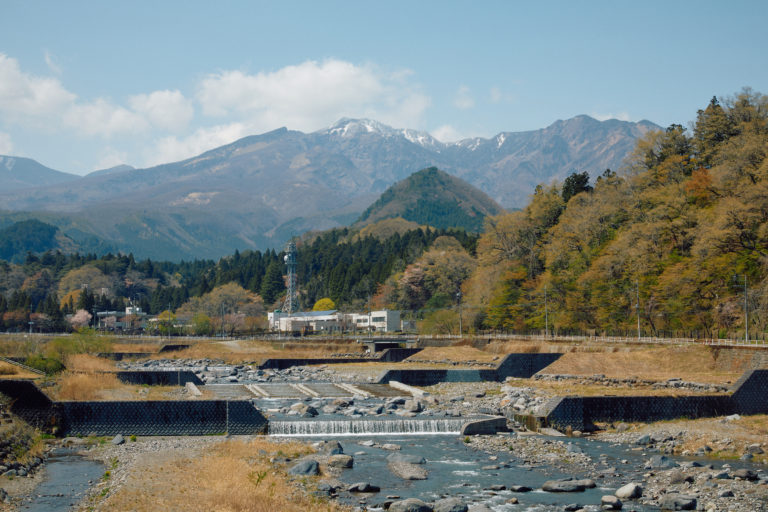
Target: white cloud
x,y
172,148
6,146
50,61
447,133
308,96
25,98
44,103
101,118
111,157
621,116
312,95
497,95
463,98
167,110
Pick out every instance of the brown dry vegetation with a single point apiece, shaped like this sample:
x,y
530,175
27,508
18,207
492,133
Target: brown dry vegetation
x,y
135,347
11,371
254,350
568,387
84,386
728,439
88,363
695,363
232,476
458,353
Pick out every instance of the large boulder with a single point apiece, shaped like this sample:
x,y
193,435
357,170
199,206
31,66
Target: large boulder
x,y
408,471
746,474
409,505
329,447
565,485
304,410
305,467
631,491
661,462
363,487
678,502
449,505
406,458
413,405
340,461
610,503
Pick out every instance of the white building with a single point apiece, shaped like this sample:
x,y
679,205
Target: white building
x,y
334,321
384,320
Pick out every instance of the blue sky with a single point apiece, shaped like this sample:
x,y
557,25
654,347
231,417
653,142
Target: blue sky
x,y
88,85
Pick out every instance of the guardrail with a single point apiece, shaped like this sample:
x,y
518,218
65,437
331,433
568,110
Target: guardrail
x,y
633,339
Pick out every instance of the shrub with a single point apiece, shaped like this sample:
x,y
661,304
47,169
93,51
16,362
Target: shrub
x,y
49,365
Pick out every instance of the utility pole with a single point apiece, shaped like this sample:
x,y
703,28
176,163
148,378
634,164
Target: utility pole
x,y
546,315
222,320
170,322
746,307
746,312
458,299
637,305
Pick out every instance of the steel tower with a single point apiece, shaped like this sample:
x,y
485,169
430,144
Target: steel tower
x,y
291,304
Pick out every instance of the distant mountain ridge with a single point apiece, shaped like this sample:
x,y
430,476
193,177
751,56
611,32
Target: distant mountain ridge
x,y
20,173
262,189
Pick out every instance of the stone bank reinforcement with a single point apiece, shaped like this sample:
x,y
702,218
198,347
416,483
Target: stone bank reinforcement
x,y
749,396
145,418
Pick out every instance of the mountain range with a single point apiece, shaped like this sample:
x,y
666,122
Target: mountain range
x,y
260,190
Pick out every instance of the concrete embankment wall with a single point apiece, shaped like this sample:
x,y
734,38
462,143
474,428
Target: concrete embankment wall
x,y
148,418
160,418
750,396
390,355
158,378
513,365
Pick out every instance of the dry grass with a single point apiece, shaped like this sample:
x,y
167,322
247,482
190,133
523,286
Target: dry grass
x,y
655,363
569,387
232,476
11,371
88,363
8,369
457,353
84,386
254,350
148,348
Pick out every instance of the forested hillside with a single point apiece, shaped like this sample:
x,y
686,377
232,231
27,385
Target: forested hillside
x,y
435,198
682,228
677,239
344,265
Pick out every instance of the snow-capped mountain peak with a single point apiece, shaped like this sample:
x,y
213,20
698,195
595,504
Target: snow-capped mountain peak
x,y
347,127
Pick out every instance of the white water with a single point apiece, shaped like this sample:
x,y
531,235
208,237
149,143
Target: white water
x,y
358,427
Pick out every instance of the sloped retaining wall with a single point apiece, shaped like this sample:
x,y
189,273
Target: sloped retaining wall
x,y
161,418
750,396
159,378
147,418
390,355
513,365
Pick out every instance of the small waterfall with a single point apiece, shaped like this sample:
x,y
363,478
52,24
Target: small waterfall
x,y
361,427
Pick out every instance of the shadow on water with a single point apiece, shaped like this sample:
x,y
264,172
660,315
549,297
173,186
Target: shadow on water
x,y
67,478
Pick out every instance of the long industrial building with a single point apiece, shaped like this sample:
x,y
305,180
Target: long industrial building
x,y
384,320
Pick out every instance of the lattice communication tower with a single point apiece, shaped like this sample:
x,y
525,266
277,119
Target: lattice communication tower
x,y
291,304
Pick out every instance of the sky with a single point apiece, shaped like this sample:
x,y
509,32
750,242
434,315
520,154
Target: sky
x,y
86,85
